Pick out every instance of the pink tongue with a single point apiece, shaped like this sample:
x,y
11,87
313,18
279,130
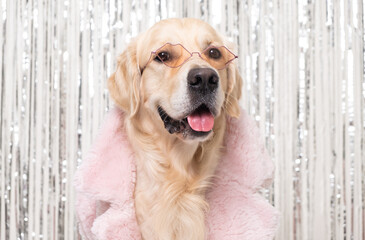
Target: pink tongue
x,y
201,122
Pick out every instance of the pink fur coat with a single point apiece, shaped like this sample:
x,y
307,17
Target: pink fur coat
x,y
106,179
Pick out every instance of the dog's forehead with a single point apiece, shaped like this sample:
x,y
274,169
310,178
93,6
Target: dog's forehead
x,y
191,33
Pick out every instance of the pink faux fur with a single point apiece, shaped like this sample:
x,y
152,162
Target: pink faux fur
x,y
106,179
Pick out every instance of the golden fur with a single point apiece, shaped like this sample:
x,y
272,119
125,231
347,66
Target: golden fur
x,y
173,172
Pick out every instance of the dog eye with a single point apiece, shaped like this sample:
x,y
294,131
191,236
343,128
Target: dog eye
x,y
162,57
214,53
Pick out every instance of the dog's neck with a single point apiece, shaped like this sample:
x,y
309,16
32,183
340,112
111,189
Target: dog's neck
x,y
171,175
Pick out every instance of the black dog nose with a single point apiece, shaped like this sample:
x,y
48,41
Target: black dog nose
x,y
203,79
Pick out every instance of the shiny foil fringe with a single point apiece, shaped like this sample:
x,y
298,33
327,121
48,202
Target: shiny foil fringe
x,y
303,67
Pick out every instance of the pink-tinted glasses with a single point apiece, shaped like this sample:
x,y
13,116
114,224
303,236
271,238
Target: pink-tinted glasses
x,y
175,55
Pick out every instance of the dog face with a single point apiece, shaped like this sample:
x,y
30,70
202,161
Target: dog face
x,y
180,72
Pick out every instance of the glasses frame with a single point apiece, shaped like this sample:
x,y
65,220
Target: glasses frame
x,y
154,53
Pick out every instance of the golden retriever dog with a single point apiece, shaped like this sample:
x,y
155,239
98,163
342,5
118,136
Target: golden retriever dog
x,y
176,84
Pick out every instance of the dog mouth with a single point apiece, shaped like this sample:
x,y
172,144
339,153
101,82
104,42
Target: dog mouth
x,y
198,122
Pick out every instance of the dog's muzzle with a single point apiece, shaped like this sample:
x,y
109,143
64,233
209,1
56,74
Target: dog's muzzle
x,y
199,121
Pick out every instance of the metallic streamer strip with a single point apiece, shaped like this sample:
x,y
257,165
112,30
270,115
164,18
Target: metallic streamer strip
x,y
304,82
2,153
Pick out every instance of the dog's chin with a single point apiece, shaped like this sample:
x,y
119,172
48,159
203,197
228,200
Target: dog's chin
x,y
182,128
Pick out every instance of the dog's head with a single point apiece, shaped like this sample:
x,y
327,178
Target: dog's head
x,y
180,71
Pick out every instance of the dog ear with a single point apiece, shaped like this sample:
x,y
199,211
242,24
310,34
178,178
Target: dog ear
x,y
234,91
124,84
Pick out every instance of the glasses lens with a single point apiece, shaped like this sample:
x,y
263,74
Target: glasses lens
x,y
218,57
172,55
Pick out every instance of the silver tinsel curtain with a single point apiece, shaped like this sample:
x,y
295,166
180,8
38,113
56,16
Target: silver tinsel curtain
x,y
303,67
